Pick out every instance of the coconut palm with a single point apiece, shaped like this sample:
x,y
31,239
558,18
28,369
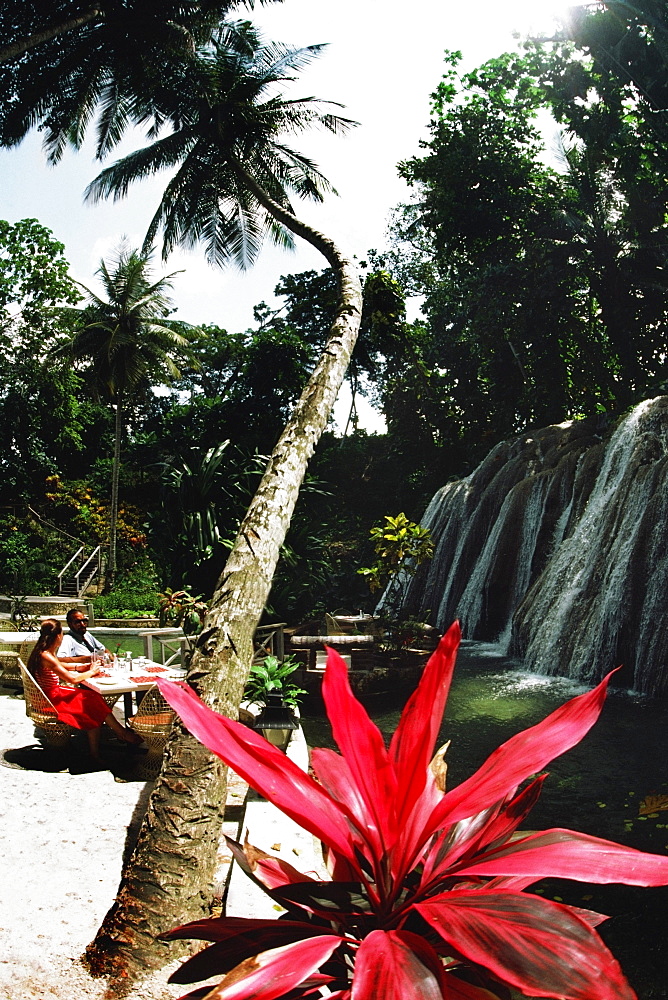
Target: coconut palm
x,y
234,171
234,178
65,63
128,343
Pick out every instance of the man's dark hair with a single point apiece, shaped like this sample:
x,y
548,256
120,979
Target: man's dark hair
x,y
72,611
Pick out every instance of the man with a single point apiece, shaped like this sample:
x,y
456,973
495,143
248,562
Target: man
x,y
78,644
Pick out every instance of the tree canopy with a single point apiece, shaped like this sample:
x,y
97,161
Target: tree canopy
x,y
544,283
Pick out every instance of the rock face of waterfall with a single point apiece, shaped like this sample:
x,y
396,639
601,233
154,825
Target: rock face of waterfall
x,y
556,547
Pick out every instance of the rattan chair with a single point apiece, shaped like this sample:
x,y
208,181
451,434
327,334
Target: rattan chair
x,y
11,676
9,660
153,720
41,711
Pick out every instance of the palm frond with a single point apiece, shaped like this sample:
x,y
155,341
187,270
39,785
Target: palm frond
x,y
160,155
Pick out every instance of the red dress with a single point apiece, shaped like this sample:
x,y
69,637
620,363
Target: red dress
x,y
78,707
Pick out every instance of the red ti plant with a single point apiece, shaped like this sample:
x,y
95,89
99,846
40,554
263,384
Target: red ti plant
x,y
426,895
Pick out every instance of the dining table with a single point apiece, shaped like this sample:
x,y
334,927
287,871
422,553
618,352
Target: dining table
x,y
140,678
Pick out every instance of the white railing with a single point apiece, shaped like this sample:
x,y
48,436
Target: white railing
x,y
94,558
65,568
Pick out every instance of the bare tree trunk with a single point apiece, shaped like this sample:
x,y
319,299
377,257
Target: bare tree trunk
x,y
16,49
169,879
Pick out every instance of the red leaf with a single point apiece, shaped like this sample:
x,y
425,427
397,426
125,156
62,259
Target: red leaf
x,y
275,872
519,757
272,973
471,834
515,883
413,743
386,966
265,768
333,772
220,958
534,945
459,989
363,749
222,928
569,854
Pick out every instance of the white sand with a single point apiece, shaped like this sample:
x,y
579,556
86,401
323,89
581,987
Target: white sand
x,y
63,839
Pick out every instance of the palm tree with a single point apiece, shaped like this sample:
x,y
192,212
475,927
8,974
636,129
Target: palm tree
x,y
67,62
127,343
234,176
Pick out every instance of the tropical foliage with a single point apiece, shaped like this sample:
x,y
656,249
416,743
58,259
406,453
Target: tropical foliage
x,y
542,269
401,546
427,893
272,676
182,610
227,141
126,343
68,65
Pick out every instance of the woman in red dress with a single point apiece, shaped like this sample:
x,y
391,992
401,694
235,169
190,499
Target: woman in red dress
x,y
81,708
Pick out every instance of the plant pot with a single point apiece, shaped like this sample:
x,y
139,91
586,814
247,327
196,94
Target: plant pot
x,y
276,721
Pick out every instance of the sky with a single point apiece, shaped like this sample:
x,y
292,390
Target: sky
x,y
382,61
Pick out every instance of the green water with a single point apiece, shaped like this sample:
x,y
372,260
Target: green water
x,y
122,644
596,787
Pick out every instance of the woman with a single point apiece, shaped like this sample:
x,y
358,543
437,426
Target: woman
x,y
81,708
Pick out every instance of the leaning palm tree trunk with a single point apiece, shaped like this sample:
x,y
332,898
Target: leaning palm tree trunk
x,y
115,475
169,878
22,45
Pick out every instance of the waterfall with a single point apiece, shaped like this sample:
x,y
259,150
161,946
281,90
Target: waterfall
x,y
557,548
480,590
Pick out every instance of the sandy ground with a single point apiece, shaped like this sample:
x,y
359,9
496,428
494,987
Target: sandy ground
x,y
64,837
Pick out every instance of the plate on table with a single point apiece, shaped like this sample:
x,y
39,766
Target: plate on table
x,y
106,680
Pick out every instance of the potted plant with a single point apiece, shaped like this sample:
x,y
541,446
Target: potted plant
x,y
271,687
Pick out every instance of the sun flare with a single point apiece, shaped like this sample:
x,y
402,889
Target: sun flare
x,y
535,15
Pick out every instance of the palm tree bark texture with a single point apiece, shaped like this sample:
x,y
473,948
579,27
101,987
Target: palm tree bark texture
x,y
169,878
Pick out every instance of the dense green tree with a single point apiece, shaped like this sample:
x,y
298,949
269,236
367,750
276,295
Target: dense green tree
x,y
545,293
628,42
42,417
126,342
486,209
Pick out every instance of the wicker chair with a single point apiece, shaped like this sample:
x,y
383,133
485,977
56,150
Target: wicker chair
x,y
9,660
42,712
11,676
153,720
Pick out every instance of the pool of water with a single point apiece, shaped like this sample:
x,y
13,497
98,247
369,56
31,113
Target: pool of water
x,y
596,787
120,643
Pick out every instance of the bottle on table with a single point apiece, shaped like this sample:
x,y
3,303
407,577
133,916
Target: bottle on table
x,y
128,661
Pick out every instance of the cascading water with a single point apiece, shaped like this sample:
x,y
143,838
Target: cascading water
x,y
557,545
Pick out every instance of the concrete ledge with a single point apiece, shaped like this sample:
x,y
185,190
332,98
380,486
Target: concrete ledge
x,y
268,828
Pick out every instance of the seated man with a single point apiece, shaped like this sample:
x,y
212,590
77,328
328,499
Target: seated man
x,y
78,644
